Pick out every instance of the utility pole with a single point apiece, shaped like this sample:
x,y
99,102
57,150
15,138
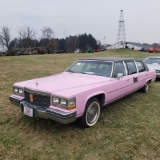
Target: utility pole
x,y
121,36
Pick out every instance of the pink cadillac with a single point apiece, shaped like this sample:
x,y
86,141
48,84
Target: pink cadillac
x,y
79,92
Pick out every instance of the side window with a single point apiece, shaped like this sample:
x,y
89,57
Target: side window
x,y
119,68
140,66
131,67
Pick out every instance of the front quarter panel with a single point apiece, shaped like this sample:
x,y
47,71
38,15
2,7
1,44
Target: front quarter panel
x,y
82,99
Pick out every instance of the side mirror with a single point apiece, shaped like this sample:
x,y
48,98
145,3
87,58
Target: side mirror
x,y
119,75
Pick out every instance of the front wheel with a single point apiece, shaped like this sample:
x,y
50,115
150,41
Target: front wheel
x,y
91,114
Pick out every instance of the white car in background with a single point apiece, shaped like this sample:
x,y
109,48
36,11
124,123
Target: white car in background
x,y
153,63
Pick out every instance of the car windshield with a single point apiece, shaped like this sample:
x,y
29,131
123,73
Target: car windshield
x,y
98,68
155,61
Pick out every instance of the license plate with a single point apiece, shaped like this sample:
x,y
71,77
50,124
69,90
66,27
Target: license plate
x,y
27,111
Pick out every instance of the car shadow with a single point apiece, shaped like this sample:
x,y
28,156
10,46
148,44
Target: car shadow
x,y
157,80
47,125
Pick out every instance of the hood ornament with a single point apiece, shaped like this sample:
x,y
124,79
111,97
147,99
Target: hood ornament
x,y
36,84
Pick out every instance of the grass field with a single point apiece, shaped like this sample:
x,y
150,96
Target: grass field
x,y
128,129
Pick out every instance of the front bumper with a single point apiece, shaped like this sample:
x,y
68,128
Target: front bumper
x,y
47,113
15,100
158,75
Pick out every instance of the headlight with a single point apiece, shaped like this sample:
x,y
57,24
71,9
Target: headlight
x,y
71,102
18,91
56,100
63,102
15,90
68,104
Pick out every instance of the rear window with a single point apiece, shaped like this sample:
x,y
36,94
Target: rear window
x,y
131,67
119,68
140,66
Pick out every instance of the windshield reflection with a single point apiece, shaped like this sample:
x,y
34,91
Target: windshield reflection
x,y
92,68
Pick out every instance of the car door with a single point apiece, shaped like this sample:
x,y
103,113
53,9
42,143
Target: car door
x,y
119,86
142,74
132,76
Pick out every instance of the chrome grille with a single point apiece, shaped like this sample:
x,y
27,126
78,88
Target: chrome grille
x,y
37,98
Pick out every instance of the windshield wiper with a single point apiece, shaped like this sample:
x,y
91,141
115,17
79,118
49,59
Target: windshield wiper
x,y
83,73
70,71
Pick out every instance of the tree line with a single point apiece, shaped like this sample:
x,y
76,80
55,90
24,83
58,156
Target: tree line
x,y
27,39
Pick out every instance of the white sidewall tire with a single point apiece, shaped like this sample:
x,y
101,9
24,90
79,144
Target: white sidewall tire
x,y
96,105
146,87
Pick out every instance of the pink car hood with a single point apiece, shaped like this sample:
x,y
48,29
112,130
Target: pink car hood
x,y
62,82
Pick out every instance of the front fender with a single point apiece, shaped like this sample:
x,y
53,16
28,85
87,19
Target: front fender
x,y
82,100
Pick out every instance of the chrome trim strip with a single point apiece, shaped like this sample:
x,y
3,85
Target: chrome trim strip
x,y
106,103
37,92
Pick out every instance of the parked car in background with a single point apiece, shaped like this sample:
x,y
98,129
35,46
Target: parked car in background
x,y
77,51
20,53
1,53
89,50
153,50
38,50
143,50
60,51
153,63
97,50
80,91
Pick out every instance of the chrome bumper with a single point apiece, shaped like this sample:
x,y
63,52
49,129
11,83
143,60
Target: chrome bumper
x,y
16,101
158,75
47,113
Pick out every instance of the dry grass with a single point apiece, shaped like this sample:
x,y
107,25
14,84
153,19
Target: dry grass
x,y
127,129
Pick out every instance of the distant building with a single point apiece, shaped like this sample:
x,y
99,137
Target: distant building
x,y
130,45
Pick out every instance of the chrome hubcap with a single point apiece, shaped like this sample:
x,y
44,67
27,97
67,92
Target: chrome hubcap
x,y
92,113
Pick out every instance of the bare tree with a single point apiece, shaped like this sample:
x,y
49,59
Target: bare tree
x,y
5,37
48,40
47,33
26,35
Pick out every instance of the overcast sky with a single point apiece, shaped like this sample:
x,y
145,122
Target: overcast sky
x,y
73,17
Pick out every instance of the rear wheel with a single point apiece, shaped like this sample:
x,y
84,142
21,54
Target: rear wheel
x,y
145,88
91,114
